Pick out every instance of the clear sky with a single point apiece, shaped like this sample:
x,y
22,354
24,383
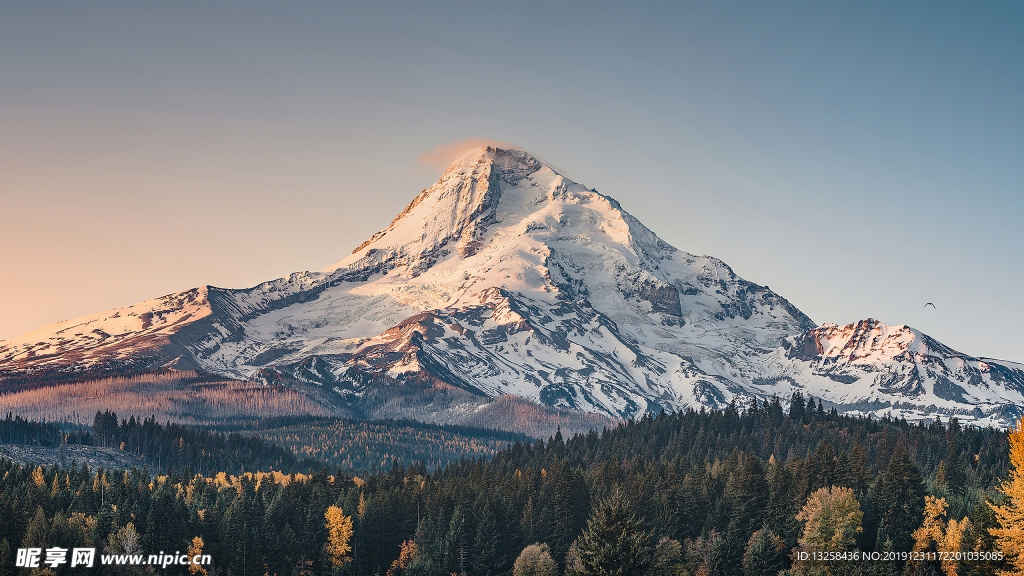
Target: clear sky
x,y
860,158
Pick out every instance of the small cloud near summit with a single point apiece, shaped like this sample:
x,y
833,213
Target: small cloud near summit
x,y
442,156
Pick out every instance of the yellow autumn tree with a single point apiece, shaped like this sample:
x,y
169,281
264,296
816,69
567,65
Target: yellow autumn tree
x,y
1010,516
945,536
832,519
196,549
339,533
405,558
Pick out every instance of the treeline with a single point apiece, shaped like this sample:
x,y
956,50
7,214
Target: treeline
x,y
165,446
177,447
722,492
703,484
251,524
358,446
18,430
48,377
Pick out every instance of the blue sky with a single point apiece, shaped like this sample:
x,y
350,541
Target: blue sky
x,y
860,158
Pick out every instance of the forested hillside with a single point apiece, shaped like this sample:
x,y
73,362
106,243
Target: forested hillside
x,y
721,492
183,396
358,446
163,446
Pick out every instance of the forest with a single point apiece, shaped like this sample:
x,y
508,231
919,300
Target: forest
x,y
358,446
165,446
747,490
283,443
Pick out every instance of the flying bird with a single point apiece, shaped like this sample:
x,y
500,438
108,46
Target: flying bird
x,y
928,304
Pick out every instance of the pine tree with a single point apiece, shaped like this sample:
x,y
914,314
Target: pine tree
x,y
668,558
765,553
487,556
783,501
953,477
797,406
455,543
747,493
570,507
38,528
900,499
7,562
165,523
614,542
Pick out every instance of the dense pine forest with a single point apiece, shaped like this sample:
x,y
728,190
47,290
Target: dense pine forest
x,y
289,443
166,446
743,491
358,446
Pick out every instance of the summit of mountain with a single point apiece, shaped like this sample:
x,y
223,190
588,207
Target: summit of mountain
x,y
507,278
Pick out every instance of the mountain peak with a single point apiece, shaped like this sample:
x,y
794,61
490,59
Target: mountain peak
x,y
511,164
451,216
864,341
505,277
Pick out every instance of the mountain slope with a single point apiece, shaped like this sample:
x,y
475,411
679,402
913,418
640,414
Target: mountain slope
x,y
504,277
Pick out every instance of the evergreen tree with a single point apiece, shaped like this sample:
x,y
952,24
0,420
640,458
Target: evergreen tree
x,y
7,561
797,406
569,509
165,523
900,500
953,477
746,493
489,544
456,544
38,528
765,553
668,558
614,542
774,412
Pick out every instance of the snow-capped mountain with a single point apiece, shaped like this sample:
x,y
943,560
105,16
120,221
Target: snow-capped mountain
x,y
505,277
870,367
